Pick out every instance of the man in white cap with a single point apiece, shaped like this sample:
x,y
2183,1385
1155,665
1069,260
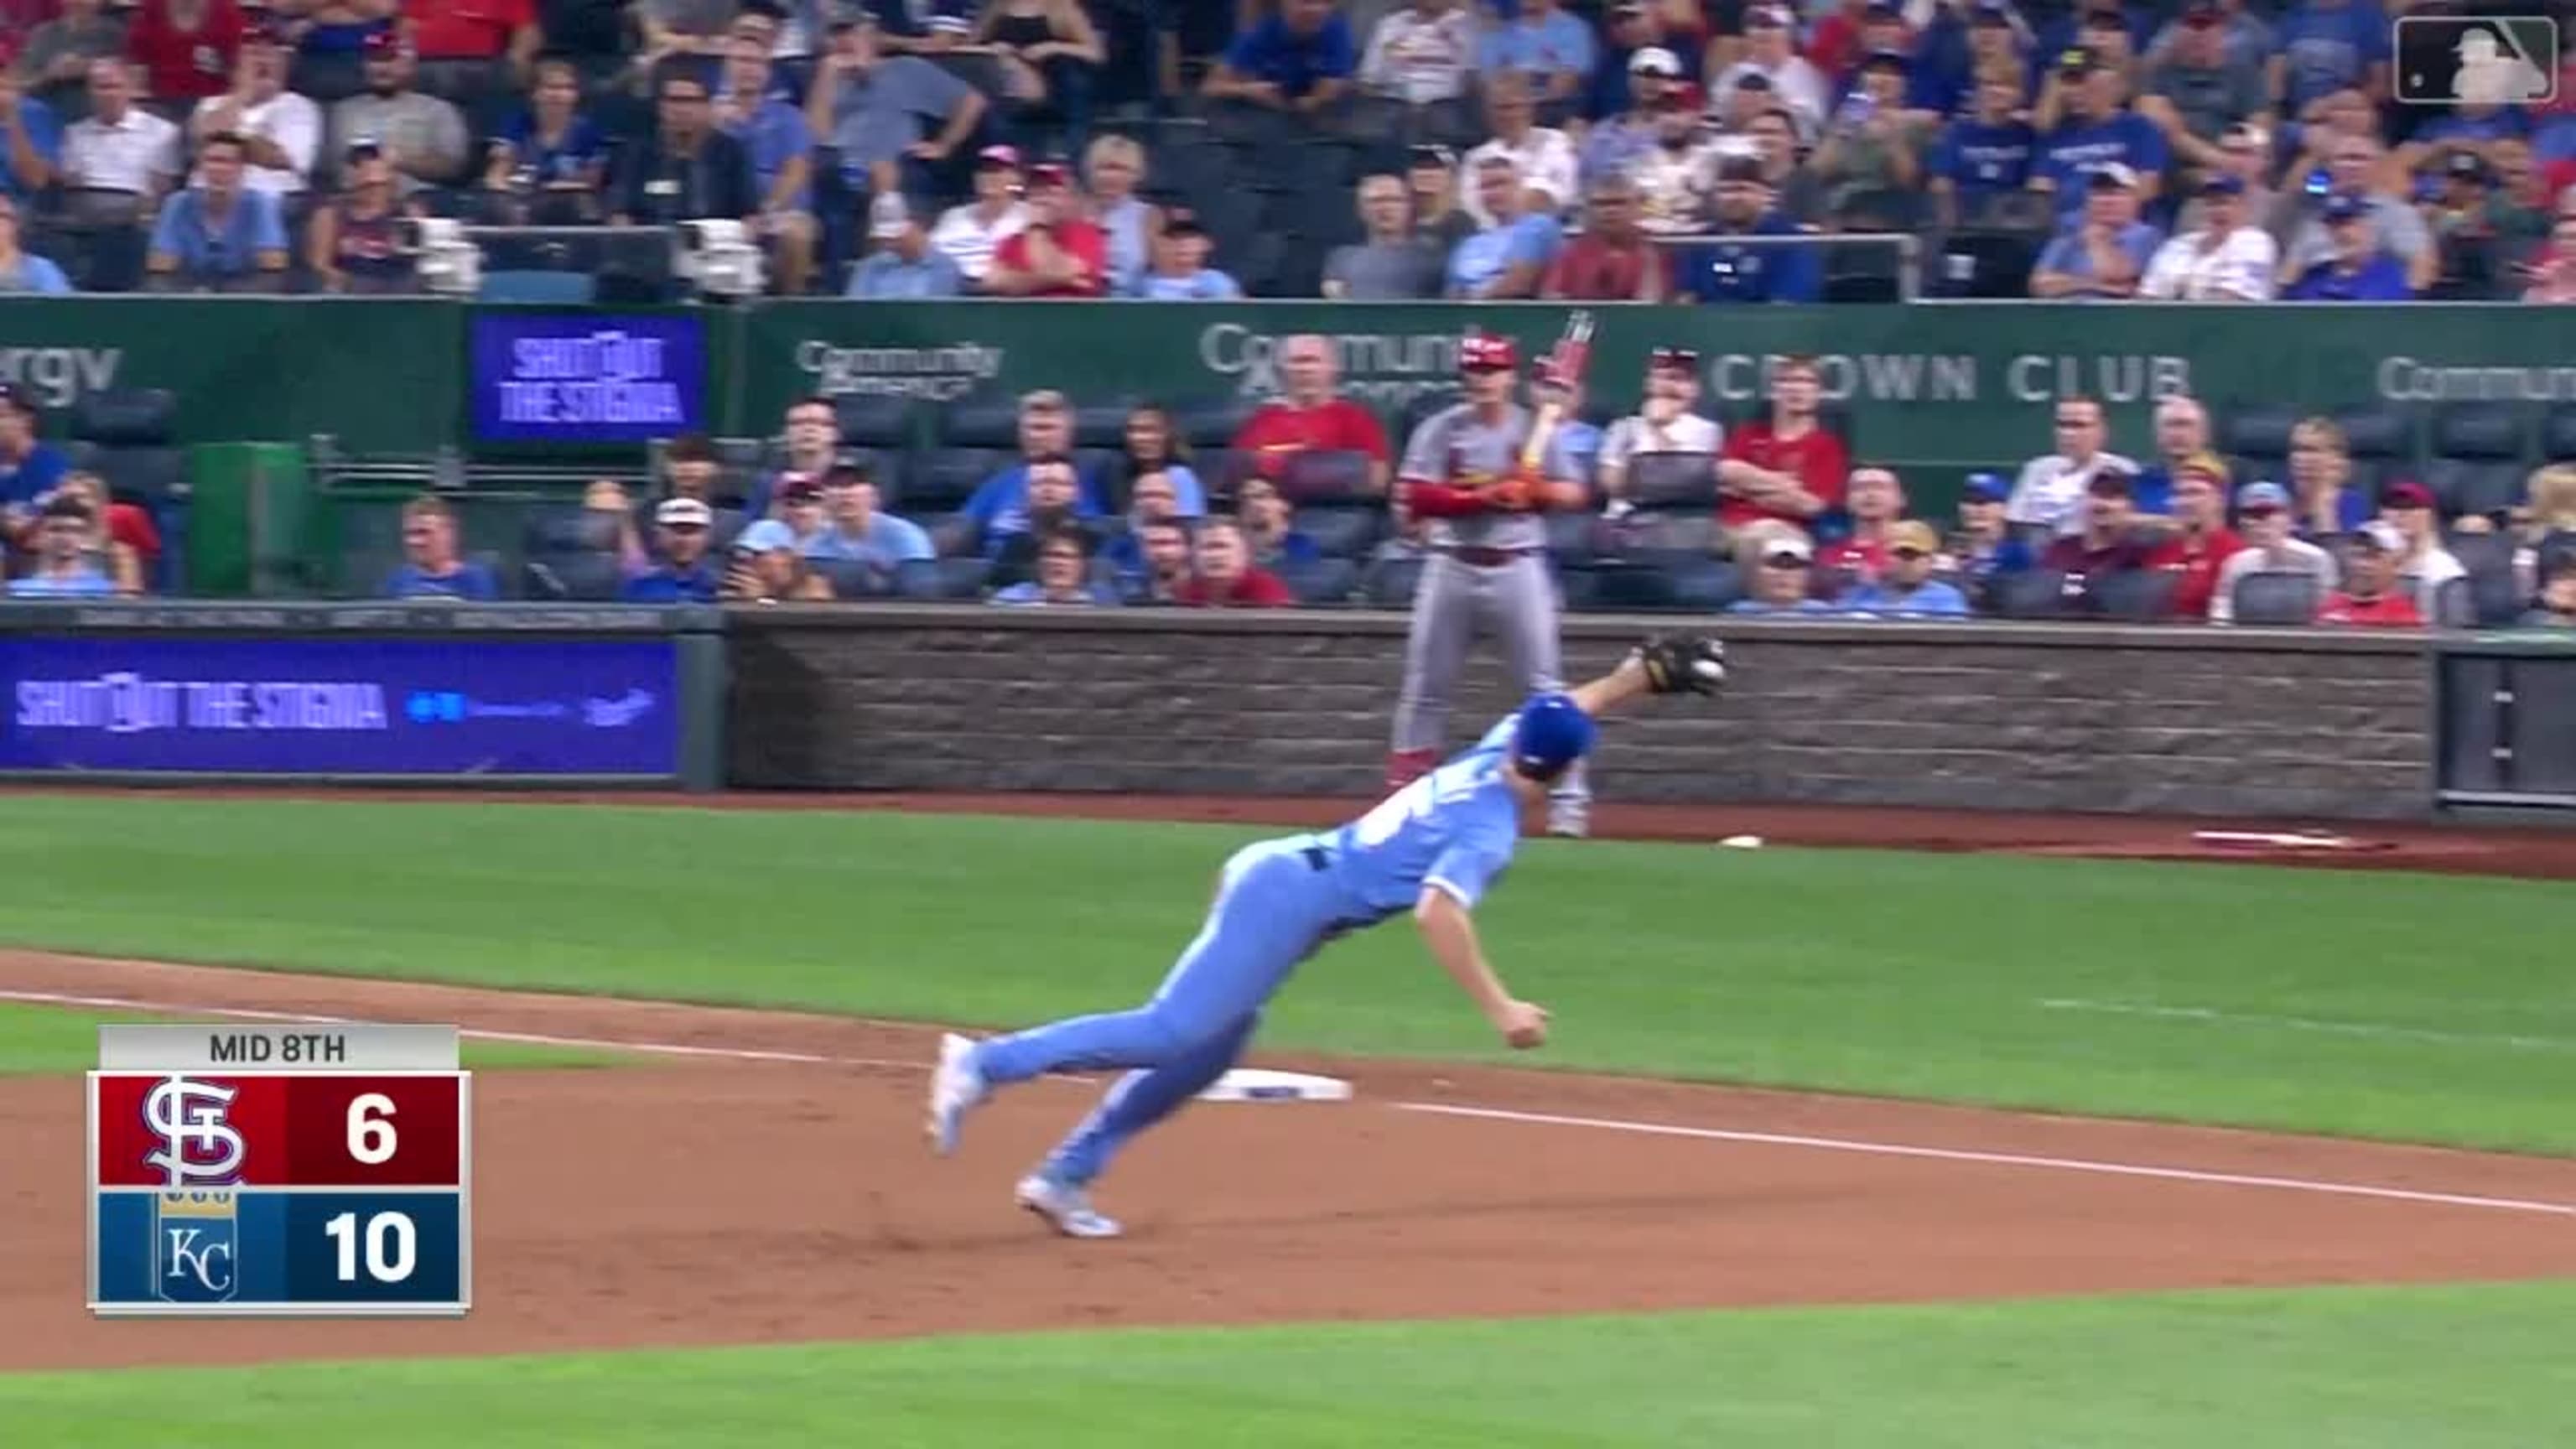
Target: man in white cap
x,y
680,527
901,264
1619,141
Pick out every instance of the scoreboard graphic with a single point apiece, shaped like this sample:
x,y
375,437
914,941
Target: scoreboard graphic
x,y
280,1171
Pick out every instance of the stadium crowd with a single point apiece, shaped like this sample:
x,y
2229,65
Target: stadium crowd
x,y
1698,150
2260,518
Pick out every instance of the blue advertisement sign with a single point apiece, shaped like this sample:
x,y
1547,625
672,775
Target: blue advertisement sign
x,y
481,706
586,377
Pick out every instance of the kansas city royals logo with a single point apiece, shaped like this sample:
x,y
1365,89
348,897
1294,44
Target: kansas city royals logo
x,y
198,1144
195,1248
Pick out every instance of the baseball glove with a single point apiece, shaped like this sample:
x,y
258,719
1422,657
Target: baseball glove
x,y
1683,663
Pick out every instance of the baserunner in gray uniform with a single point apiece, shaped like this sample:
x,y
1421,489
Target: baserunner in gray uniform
x,y
1463,474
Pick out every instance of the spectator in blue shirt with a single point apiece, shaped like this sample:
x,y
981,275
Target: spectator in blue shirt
x,y
65,568
22,271
1270,528
682,575
547,164
30,468
1985,548
774,136
31,141
1000,505
2093,127
1906,589
1063,564
903,266
1554,49
431,567
1779,580
2106,250
1180,272
1983,156
1508,259
1724,271
2360,270
218,235
2329,45
1299,61
1960,44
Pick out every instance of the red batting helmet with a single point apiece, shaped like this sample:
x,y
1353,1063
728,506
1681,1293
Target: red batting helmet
x,y
1485,352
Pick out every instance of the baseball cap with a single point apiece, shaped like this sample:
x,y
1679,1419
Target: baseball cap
x,y
1994,12
1655,60
998,158
1050,173
2345,206
1882,10
2379,535
684,513
888,217
383,42
1915,534
2077,60
2207,465
2465,166
1985,488
1885,60
799,488
2111,176
2223,183
1425,157
2405,493
1672,359
2110,483
1739,168
2262,498
1789,545
1551,733
1762,17
2200,14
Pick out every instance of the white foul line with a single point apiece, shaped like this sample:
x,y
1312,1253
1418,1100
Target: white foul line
x,y
1493,1114
2307,1023
2001,1159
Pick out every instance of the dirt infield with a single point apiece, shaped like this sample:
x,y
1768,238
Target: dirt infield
x,y
719,1200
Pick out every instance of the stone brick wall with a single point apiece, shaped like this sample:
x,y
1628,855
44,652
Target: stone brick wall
x,y
2234,722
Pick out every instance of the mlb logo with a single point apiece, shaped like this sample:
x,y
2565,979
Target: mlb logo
x,y
195,1247
2491,60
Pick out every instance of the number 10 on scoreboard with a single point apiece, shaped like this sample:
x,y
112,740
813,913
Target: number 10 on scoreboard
x,y
280,1171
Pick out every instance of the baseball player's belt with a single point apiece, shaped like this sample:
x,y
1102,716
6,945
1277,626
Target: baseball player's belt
x,y
1488,558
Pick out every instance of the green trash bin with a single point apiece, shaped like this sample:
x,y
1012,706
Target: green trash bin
x,y
255,522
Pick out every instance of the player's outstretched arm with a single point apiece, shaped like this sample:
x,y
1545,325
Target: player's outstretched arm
x,y
1450,933
1669,664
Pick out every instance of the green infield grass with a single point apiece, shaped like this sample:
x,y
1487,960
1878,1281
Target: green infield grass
x,y
2373,1004
2376,1368
52,1040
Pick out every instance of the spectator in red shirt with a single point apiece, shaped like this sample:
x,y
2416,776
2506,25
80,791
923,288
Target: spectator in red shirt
x,y
2109,541
1786,466
2201,543
475,30
1226,578
186,47
1876,502
1611,260
1058,254
1311,414
2373,595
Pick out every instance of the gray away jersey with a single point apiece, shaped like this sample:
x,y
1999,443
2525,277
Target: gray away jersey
x,y
1453,447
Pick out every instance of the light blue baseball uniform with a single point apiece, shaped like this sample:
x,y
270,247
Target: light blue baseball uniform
x,y
1277,902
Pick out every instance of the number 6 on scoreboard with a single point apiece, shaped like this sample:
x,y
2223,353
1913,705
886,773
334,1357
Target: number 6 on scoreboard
x,y
371,1134
391,1246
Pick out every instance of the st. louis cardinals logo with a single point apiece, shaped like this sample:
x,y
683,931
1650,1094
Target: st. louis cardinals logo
x,y
198,1144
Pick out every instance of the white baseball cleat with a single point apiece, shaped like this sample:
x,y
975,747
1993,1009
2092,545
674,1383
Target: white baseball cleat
x,y
1569,822
1066,1208
955,1086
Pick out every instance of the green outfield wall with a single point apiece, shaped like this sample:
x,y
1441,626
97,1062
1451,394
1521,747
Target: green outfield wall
x,y
1934,385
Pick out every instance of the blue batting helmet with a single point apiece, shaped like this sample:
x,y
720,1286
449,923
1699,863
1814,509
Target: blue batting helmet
x,y
1552,733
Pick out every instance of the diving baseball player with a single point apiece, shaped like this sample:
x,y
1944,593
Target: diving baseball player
x,y
1470,471
1432,847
